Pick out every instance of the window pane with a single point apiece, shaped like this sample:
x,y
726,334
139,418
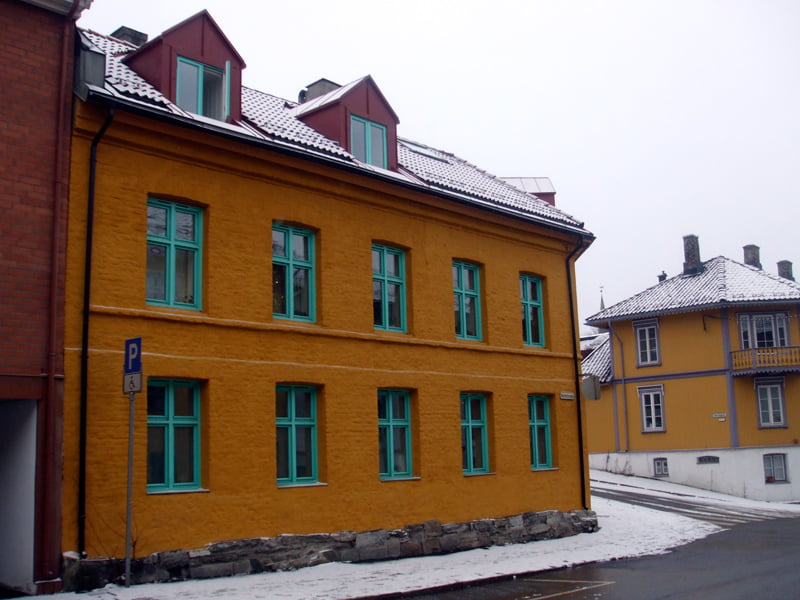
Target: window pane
x,y
778,468
456,277
300,246
376,262
279,289
382,449
394,305
301,293
377,154
457,309
156,400
533,316
184,226
541,412
156,472
470,316
188,85
377,303
464,450
183,401
477,448
156,272
157,221
212,93
764,332
400,451
282,404
393,264
184,275
304,458
358,139
398,406
470,280
303,404
533,291
383,406
184,454
476,409
541,445
282,452
278,243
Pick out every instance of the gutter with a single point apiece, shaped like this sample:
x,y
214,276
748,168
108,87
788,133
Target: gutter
x,y
100,94
87,288
576,362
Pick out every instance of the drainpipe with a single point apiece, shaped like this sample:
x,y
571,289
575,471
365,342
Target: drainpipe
x,y
87,287
733,421
576,361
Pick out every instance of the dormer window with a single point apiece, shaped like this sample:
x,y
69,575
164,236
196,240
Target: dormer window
x,y
202,89
368,141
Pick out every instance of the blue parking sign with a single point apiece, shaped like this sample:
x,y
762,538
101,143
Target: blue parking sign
x,y
133,356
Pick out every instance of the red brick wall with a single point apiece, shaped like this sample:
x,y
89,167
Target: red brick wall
x,y
30,63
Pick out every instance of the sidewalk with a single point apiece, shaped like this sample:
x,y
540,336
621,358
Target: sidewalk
x,y
625,531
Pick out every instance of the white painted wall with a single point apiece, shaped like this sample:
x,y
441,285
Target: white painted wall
x,y
17,493
740,471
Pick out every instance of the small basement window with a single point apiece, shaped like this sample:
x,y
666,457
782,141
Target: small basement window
x,y
708,460
660,467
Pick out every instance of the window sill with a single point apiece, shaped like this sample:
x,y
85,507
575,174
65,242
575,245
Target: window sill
x,y
192,491
479,474
783,482
283,486
654,431
539,469
393,479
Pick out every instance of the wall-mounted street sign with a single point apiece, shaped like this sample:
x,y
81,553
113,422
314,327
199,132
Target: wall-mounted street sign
x,y
132,375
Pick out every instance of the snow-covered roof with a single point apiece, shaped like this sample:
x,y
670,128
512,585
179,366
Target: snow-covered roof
x,y
721,282
599,362
275,122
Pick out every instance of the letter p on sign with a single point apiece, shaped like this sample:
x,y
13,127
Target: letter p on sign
x,y
133,355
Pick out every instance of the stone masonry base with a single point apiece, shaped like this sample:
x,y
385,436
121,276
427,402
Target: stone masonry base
x,y
286,552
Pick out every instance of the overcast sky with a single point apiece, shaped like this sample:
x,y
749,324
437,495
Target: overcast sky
x,y
653,119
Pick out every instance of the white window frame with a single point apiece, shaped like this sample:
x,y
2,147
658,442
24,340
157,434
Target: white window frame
x,y
776,403
652,397
779,322
660,467
771,461
652,350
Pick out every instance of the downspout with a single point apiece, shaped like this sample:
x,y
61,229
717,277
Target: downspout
x,y
576,362
624,387
733,420
87,287
48,519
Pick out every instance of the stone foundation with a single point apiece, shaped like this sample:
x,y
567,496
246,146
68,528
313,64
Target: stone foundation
x,y
287,552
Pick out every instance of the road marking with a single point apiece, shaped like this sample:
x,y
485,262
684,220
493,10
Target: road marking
x,y
590,585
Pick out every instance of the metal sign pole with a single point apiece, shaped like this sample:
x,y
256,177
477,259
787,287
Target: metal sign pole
x,y
129,506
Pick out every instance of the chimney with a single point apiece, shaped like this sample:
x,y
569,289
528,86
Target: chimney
x,y
785,269
691,255
126,34
662,276
751,256
317,89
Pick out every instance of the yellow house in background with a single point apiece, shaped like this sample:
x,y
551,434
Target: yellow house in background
x,y
701,380
329,313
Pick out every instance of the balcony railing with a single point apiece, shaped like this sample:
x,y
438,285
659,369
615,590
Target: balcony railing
x,y
784,358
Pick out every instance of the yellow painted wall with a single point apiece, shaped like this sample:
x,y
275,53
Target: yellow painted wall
x,y
240,353
690,343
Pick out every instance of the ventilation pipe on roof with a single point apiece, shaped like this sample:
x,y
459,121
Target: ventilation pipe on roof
x,y
785,269
662,276
691,255
751,256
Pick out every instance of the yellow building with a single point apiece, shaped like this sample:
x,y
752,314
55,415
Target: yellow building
x,y
700,380
329,314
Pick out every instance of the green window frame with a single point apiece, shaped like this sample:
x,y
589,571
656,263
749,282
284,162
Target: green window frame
x,y
368,142
173,435
532,310
174,254
293,294
467,300
539,422
388,288
202,89
474,434
296,434
394,434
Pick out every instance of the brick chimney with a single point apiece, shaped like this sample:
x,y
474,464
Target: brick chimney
x,y
126,34
752,256
317,89
785,269
691,255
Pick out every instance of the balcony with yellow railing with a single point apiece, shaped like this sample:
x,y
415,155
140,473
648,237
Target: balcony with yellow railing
x,y
754,361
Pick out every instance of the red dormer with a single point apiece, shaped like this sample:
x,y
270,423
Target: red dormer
x,y
195,66
355,115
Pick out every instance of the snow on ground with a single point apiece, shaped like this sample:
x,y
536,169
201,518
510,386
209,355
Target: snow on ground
x,y
626,531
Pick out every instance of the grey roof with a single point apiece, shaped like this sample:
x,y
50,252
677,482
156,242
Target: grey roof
x,y
722,282
599,362
273,120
